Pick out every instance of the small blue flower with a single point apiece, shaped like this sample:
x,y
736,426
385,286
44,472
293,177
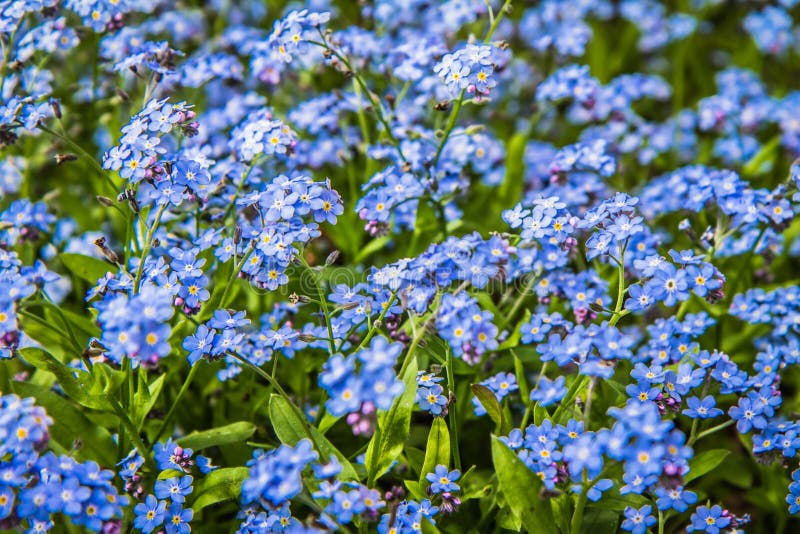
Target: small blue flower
x,y
174,488
710,520
443,480
149,514
638,521
702,409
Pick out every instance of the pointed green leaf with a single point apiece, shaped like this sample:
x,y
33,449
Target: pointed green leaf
x,y
78,385
222,435
489,402
438,450
86,267
415,489
704,462
393,429
146,397
539,414
521,488
327,422
562,415
219,485
519,370
600,521
290,429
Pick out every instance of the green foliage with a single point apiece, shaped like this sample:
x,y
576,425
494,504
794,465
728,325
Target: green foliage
x,y
393,428
522,490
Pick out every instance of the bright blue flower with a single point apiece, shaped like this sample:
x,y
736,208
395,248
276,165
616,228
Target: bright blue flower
x,y
747,416
549,392
177,519
711,520
174,488
702,409
431,399
149,514
675,498
638,521
441,480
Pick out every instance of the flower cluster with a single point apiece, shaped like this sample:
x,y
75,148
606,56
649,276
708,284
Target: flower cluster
x,y
167,505
392,231
469,69
374,381
38,490
135,325
141,157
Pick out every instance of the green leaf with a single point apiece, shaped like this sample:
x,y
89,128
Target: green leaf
x,y
392,429
78,385
507,520
221,435
437,451
521,488
519,370
489,403
290,429
85,267
539,414
620,502
70,424
511,188
600,521
146,397
415,458
704,462
562,415
415,489
327,422
219,485
373,246
762,161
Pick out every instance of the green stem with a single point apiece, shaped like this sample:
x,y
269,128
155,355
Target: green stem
x,y
7,55
577,515
618,314
496,21
451,120
374,328
235,270
587,407
451,384
661,522
518,302
181,393
148,244
232,206
134,435
323,301
529,406
711,430
49,302
696,422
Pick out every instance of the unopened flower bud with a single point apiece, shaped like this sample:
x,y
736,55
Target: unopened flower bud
x,y
63,158
332,257
56,107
